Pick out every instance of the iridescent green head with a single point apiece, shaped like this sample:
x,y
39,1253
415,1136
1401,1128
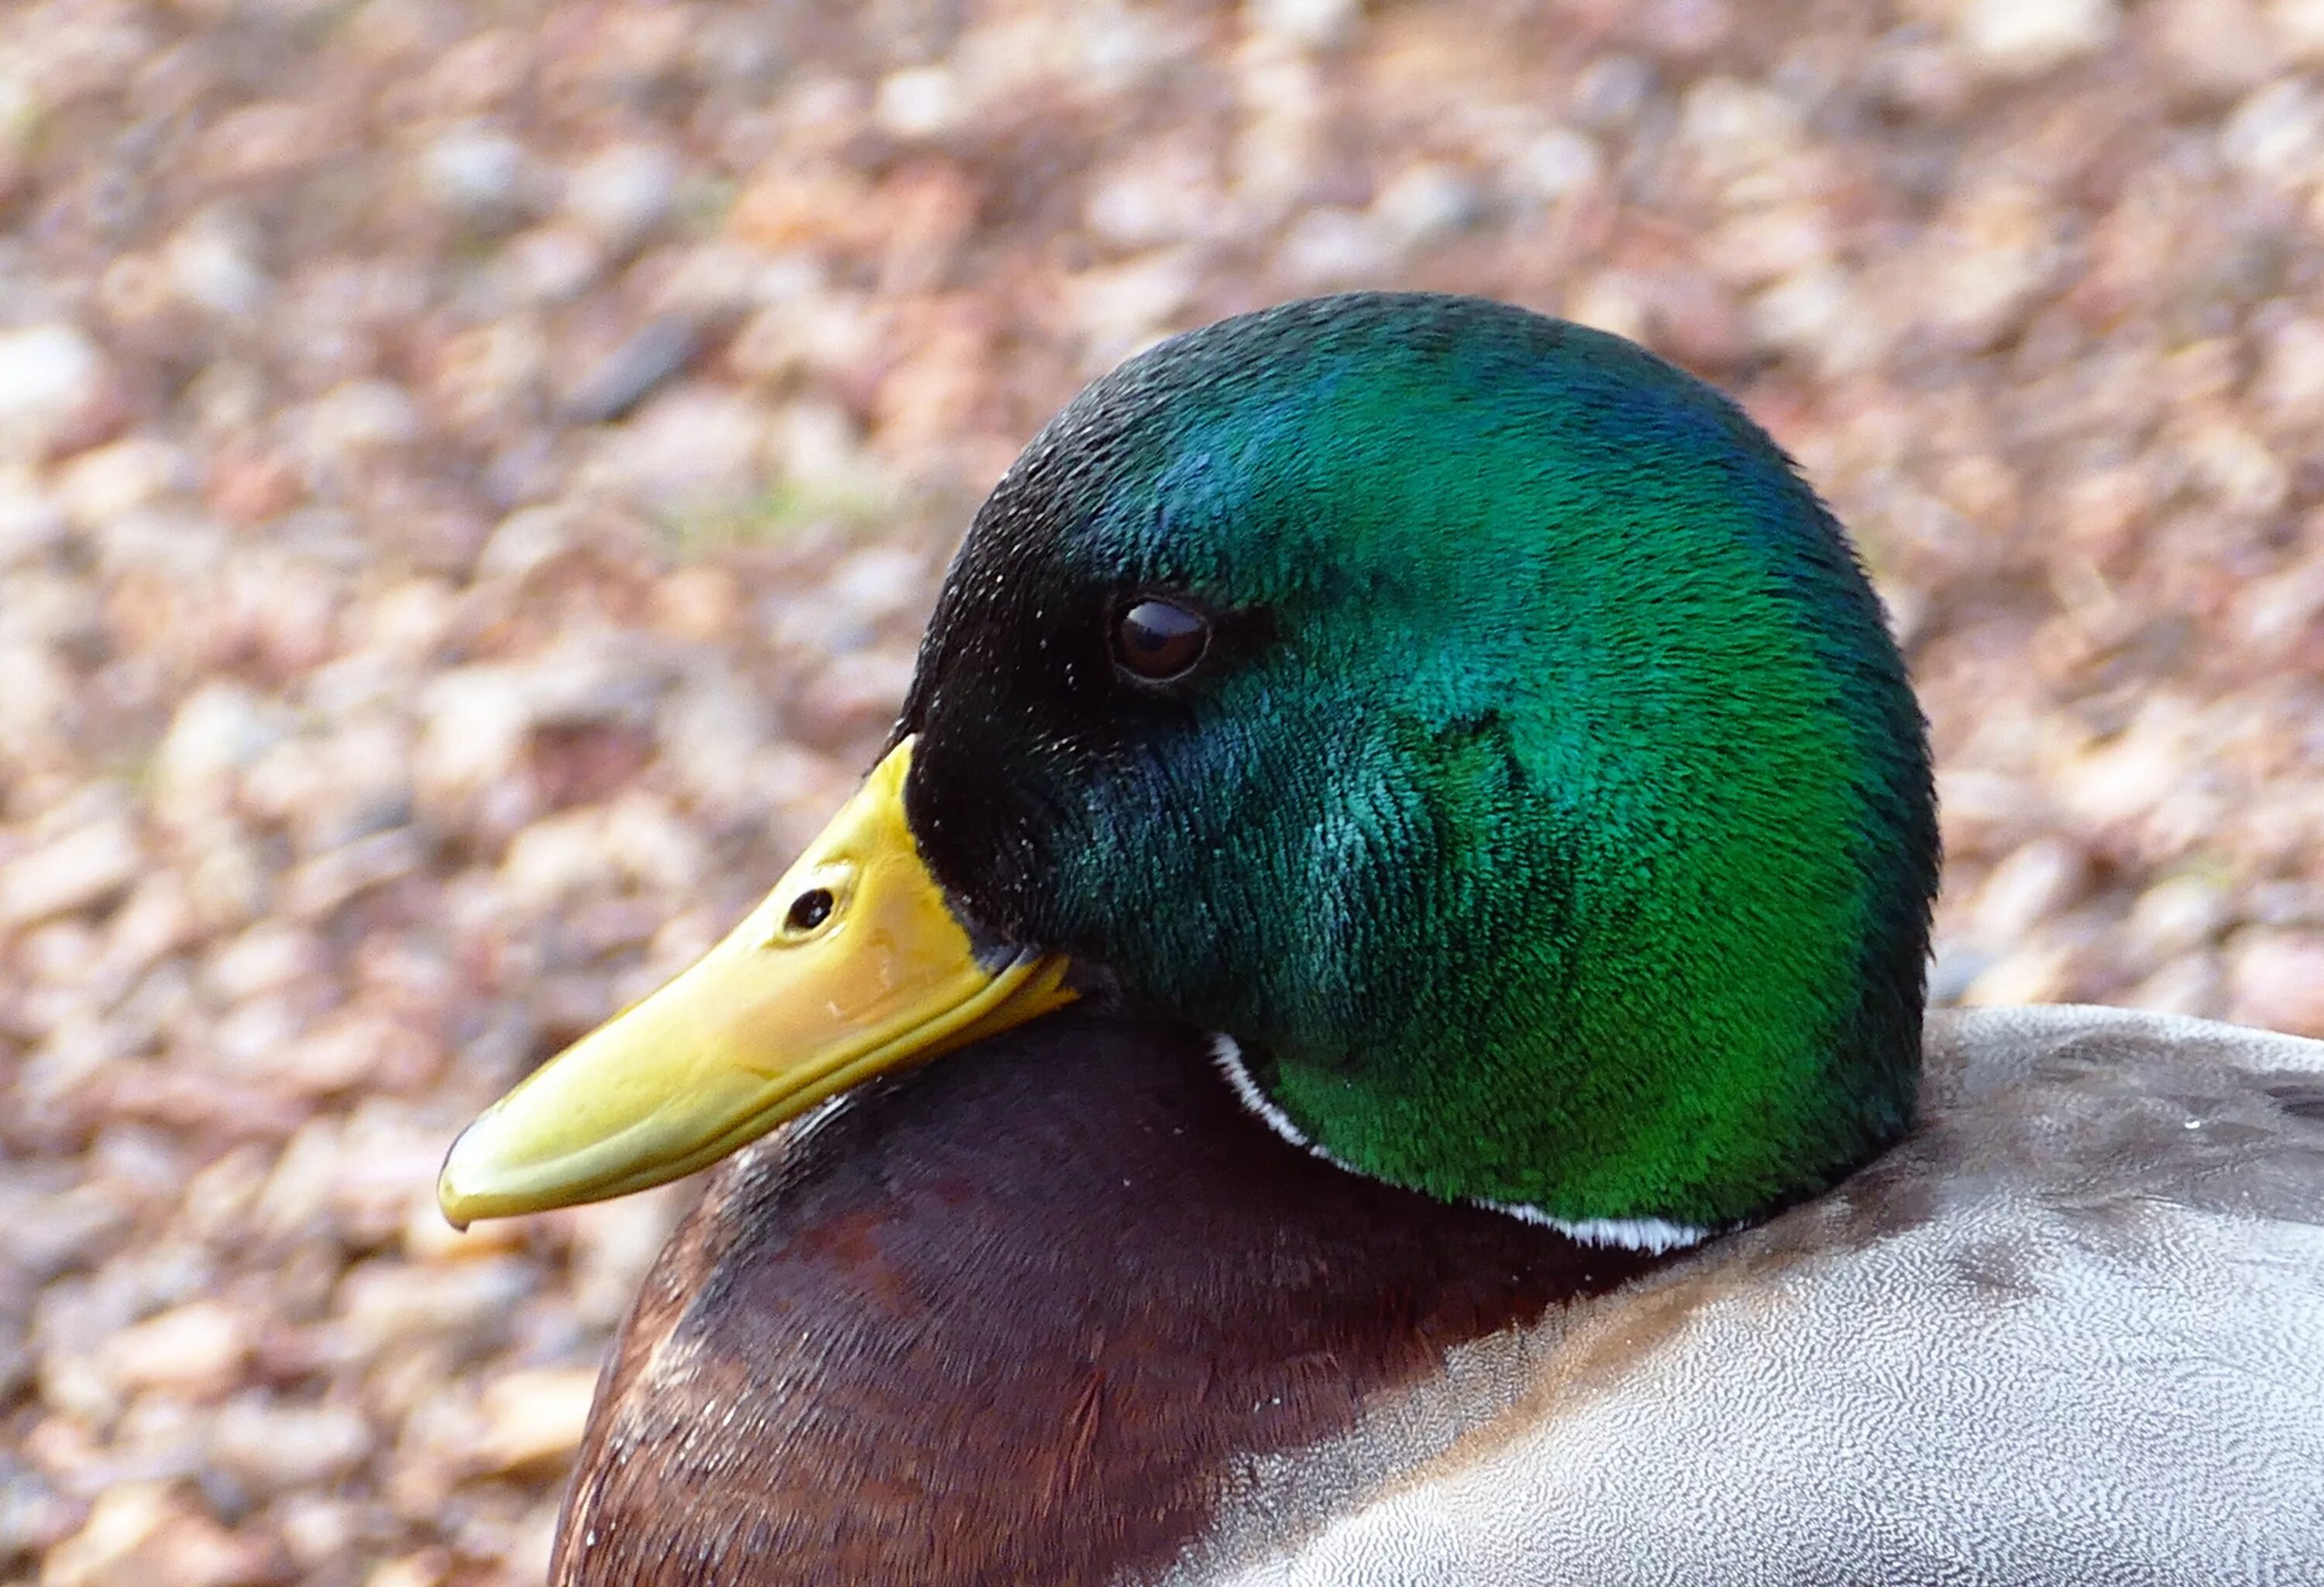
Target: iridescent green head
x,y
1544,808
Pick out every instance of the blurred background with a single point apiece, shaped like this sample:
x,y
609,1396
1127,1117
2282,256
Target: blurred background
x,y
472,475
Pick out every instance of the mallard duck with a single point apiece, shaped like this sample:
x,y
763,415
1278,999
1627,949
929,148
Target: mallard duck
x,y
1460,777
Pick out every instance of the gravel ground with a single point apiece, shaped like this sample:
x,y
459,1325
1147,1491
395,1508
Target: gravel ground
x,y
471,477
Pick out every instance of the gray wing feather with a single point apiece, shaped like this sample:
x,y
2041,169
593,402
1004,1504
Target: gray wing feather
x,y
2072,1332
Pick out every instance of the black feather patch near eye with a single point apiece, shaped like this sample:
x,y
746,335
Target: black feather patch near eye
x,y
1157,641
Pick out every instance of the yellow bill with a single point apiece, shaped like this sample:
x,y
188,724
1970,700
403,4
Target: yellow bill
x,y
854,966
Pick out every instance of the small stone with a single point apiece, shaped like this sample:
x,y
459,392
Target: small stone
x,y
275,1447
45,1232
107,481
1611,92
1559,163
475,722
1954,967
880,584
552,263
226,399
156,919
33,1516
337,875
2276,980
2276,132
855,695
699,603
615,1243
2022,38
78,871
1814,312
560,858
352,1051
1124,307
489,375
2280,614
196,1349
1334,247
269,956
621,193
656,850
2219,46
1686,28
1613,300
2285,903
271,138
1763,245
220,729
1998,249
334,789
534,1417
2190,986
2126,778
176,543
405,625
143,1533
2035,882
1314,25
50,375
920,102
212,265
31,521
359,417
1160,195
711,736
475,172
194,1551
527,538
656,354
2300,26
429,1567
604,678
817,446
61,953
2035,972
2291,380
228,882
690,448
316,1531
1427,202
532,1545
1735,128
2177,916
123,1516
138,1160
470,1305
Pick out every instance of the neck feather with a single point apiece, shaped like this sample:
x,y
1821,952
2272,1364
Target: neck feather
x,y
1655,1235
1025,1315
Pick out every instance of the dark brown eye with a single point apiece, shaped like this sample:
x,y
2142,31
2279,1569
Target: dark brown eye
x,y
810,909
1158,641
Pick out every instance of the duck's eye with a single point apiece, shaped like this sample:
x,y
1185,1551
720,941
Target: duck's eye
x,y
1158,641
810,909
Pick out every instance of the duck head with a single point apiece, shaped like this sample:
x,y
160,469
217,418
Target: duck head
x,y
1473,718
